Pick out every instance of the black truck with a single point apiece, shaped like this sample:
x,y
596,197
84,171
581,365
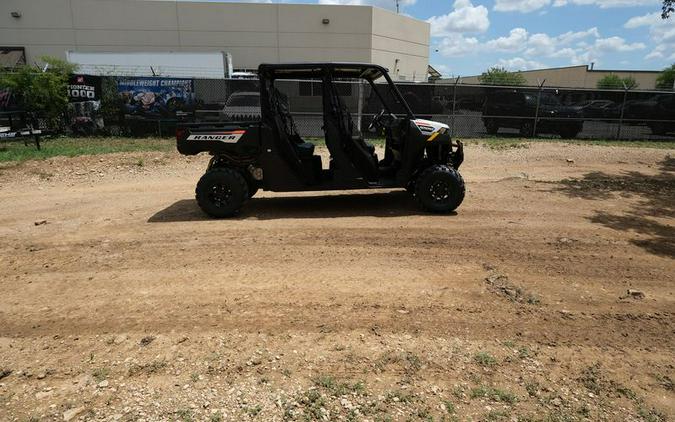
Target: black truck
x,y
517,109
270,154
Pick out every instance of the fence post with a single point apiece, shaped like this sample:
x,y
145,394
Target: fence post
x,y
454,101
623,107
536,111
359,106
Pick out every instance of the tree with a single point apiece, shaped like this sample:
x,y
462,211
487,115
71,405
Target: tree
x,y
666,78
668,8
613,81
500,76
41,91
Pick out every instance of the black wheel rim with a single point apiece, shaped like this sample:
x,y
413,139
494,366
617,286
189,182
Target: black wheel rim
x,y
220,195
439,191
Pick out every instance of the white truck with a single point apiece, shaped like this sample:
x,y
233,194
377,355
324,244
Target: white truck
x,y
213,64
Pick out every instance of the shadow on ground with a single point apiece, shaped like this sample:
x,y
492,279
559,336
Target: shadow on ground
x,y
387,204
657,201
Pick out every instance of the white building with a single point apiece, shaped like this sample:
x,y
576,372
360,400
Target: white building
x,y
251,32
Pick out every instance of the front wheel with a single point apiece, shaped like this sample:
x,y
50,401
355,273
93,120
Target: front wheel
x,y
440,189
221,192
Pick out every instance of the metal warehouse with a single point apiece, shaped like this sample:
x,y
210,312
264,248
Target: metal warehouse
x,y
251,33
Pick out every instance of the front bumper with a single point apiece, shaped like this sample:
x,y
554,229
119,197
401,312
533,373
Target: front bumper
x,y
457,154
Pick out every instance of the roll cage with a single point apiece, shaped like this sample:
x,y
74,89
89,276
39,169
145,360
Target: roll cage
x,y
366,71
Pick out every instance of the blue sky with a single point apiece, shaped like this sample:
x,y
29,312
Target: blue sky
x,y
468,36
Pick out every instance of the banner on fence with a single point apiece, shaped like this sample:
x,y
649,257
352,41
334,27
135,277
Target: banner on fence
x,y
84,88
155,97
84,96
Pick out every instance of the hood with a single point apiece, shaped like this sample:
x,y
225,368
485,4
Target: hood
x,y
429,127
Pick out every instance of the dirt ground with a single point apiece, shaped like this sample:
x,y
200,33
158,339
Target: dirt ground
x,y
547,296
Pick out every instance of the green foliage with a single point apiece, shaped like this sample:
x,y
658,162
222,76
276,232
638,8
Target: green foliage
x,y
666,78
111,103
449,407
41,91
500,76
485,359
100,374
494,394
667,9
338,388
613,81
72,147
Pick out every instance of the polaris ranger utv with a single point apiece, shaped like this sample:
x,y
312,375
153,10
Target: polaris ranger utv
x,y
270,154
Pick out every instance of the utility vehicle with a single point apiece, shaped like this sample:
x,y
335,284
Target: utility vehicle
x,y
269,154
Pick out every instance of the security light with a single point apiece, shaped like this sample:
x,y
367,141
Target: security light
x,y
325,21
16,14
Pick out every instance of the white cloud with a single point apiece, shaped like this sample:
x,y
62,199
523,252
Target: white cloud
x,y
455,45
650,19
540,45
519,63
616,44
606,4
529,50
464,18
523,6
514,42
564,53
569,37
661,34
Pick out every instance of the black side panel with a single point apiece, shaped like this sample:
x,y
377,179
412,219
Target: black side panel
x,y
412,154
278,174
241,139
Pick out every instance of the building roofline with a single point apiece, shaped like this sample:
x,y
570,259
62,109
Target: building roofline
x,y
623,71
573,67
589,70
365,6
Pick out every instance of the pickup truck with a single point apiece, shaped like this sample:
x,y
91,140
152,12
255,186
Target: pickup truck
x,y
517,109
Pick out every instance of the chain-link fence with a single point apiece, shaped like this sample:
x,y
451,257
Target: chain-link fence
x,y
471,111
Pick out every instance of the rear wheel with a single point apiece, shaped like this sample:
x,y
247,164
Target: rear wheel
x,y
440,189
221,192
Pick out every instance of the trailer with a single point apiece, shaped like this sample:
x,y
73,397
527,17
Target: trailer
x,y
210,64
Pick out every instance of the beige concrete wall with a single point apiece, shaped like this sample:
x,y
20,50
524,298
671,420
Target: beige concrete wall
x,y
398,37
252,33
645,80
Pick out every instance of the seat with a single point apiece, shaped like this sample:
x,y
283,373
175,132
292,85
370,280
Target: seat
x,y
359,138
360,153
298,153
304,149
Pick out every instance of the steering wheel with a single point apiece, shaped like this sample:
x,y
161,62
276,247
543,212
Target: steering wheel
x,y
376,120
